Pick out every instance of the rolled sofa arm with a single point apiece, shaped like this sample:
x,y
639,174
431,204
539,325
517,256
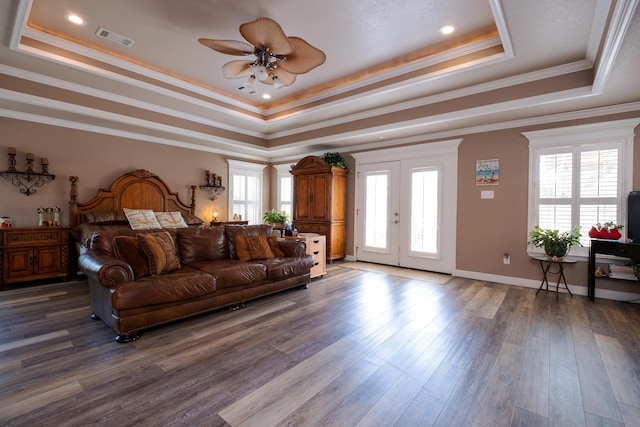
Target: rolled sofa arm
x,y
292,248
105,269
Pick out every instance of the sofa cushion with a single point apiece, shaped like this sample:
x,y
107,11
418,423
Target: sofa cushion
x,y
231,272
202,244
170,220
141,219
181,285
160,251
245,230
128,249
253,247
282,267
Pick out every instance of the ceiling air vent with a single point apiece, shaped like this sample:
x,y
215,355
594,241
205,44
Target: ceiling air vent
x,y
114,37
246,88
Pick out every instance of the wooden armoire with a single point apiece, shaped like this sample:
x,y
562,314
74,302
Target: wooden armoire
x,y
319,202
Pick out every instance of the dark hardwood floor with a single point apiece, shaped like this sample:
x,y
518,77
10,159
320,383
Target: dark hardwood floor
x,y
356,348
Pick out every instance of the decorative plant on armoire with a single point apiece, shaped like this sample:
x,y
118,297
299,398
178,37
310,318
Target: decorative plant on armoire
x,y
335,159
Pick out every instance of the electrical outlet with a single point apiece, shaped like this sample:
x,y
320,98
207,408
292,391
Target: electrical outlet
x,y
506,259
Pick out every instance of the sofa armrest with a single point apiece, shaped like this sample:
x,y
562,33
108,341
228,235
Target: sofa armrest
x,y
292,247
105,269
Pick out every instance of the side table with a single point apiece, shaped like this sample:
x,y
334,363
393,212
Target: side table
x,y
545,265
316,245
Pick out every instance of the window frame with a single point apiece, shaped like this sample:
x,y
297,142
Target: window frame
x,y
618,134
283,171
246,169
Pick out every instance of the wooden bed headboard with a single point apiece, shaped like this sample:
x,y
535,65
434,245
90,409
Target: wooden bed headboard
x,y
138,189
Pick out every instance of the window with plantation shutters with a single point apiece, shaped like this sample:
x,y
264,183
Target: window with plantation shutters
x,y
580,175
285,189
245,182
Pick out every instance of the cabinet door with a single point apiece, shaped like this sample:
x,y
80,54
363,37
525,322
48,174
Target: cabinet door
x,y
18,263
320,197
302,197
46,260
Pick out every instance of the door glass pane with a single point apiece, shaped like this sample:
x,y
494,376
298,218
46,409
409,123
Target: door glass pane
x,y
424,211
376,210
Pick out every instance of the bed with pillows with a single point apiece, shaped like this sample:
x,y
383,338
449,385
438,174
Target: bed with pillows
x,y
150,261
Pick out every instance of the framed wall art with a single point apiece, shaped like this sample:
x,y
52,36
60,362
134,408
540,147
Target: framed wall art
x,y
488,172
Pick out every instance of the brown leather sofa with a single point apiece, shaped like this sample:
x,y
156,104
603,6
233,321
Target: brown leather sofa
x,y
135,283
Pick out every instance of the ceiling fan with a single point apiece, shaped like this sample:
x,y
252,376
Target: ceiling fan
x,y
278,58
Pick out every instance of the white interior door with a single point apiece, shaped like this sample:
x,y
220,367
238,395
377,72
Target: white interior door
x,y
406,208
378,215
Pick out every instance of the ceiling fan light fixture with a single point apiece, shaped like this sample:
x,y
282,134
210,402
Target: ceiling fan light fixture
x,y
261,72
274,52
251,82
277,84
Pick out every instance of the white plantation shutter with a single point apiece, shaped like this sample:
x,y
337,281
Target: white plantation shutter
x,y
580,175
245,191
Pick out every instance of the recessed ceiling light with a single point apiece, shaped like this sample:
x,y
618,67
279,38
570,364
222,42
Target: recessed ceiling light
x,y
266,96
447,29
75,19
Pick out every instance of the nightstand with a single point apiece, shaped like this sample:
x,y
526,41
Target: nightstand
x,y
316,246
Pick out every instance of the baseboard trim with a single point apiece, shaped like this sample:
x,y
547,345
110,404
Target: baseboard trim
x,y
528,283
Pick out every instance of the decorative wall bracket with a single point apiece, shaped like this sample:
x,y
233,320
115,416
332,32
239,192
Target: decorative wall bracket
x,y
28,180
213,185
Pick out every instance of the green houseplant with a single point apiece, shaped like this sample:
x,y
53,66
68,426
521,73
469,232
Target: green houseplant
x,y
335,159
555,243
276,218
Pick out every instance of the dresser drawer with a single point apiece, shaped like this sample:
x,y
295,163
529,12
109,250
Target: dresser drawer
x,y
31,237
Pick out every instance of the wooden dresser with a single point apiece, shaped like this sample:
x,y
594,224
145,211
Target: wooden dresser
x,y
33,253
316,246
319,203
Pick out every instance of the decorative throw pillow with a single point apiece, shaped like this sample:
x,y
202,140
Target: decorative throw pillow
x,y
105,217
192,219
253,247
160,251
128,249
171,220
141,219
273,244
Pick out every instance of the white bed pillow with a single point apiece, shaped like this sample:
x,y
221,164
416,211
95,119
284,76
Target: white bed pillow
x,y
171,220
141,219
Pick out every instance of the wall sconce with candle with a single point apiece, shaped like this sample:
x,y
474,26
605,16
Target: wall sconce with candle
x,y
28,180
213,185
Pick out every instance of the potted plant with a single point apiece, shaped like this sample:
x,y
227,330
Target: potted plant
x,y
555,243
608,230
276,218
335,159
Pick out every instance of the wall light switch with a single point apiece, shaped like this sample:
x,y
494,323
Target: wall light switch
x,y
486,194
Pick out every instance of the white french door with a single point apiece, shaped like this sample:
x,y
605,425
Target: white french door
x,y
378,214
406,208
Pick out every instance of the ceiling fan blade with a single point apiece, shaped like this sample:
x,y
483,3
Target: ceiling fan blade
x,y
230,47
236,69
285,77
266,32
304,57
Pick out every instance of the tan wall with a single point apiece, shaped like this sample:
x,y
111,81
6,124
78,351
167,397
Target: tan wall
x,y
486,229
97,160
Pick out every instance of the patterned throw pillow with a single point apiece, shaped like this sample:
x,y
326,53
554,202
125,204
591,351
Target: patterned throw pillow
x,y
253,247
141,219
171,220
160,251
273,244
